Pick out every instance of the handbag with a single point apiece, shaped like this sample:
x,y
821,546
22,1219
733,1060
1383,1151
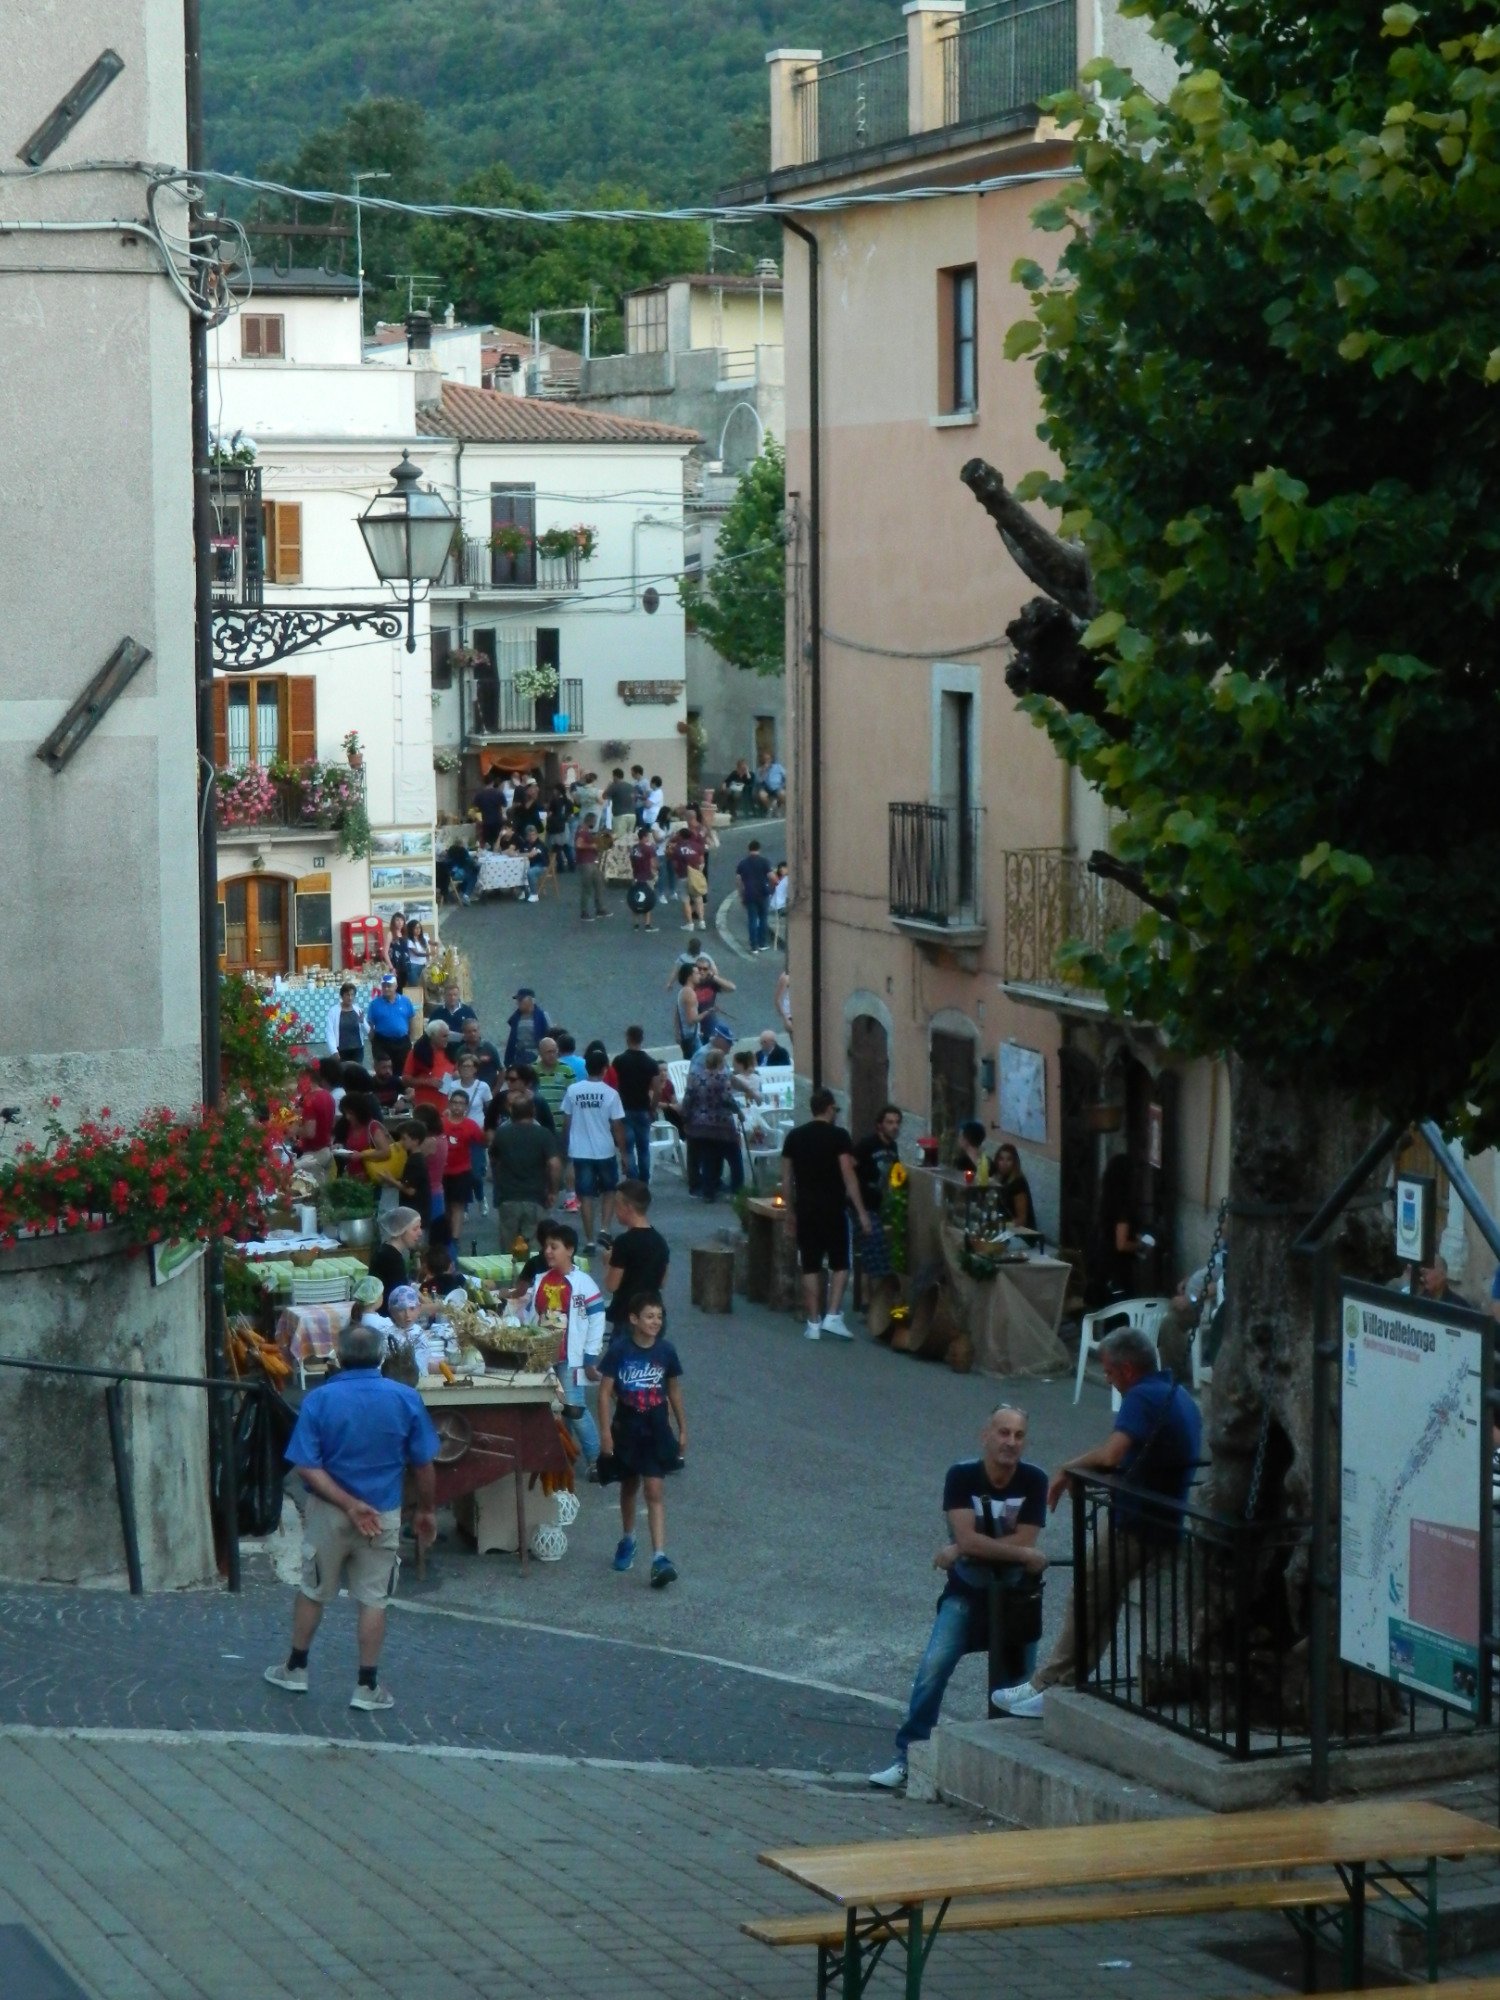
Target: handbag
x,y
697,881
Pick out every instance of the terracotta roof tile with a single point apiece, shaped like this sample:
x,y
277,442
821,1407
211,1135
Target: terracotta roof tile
x,y
486,416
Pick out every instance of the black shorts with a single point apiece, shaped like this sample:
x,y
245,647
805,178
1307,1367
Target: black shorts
x,y
823,1239
458,1189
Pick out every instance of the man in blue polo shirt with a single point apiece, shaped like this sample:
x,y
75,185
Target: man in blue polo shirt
x,y
1154,1449
355,1437
389,1018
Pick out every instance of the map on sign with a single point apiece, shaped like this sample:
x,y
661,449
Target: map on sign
x,y
1415,1496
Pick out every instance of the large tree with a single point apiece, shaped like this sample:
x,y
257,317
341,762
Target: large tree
x,y
739,605
1270,630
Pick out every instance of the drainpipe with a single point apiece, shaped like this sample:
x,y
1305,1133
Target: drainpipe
x,y
815,650
222,1405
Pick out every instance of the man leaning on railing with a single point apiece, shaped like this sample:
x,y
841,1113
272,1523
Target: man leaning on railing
x,y
1154,1448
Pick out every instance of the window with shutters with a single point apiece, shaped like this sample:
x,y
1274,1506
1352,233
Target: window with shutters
x,y
958,341
262,337
265,719
283,529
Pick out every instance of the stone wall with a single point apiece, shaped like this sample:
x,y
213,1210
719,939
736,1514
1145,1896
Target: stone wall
x,y
61,1300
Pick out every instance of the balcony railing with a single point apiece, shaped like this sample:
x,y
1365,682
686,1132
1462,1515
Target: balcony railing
x,y
854,100
474,565
934,865
249,801
235,531
500,710
1052,900
1008,55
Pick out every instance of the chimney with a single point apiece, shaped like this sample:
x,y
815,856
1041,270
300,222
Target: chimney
x,y
418,334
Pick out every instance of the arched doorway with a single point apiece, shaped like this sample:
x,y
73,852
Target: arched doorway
x,y
255,924
869,1056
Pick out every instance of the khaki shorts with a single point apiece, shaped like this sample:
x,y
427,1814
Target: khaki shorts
x,y
331,1542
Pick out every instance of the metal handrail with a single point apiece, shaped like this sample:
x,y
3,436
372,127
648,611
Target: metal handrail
x,y
226,1385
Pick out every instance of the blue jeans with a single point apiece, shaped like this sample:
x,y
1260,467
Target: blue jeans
x,y
946,1646
755,921
638,1144
585,1430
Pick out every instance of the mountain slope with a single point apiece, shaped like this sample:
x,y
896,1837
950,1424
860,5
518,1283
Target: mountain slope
x,y
664,94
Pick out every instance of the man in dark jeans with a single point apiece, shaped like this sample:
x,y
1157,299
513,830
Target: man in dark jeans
x,y
754,874
819,1186
638,1079
1153,1447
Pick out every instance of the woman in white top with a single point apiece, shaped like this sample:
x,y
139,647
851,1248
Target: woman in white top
x,y
744,1082
417,954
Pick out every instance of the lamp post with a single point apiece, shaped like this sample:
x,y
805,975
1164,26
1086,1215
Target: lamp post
x,y
408,532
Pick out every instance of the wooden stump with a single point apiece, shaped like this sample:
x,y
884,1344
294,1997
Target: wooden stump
x,y
713,1278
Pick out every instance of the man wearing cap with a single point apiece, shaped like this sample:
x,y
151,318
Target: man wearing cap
x,y
720,1039
389,1017
356,1436
527,1025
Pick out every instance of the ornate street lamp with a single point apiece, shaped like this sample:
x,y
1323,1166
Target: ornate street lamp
x,y
408,532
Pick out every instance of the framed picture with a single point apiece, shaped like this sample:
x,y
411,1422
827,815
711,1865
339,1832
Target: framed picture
x,y
398,843
417,879
417,843
385,875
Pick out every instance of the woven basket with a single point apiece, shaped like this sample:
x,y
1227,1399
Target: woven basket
x,y
528,1349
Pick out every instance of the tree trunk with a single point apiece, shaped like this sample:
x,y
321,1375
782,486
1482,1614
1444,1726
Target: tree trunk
x,y
1291,1146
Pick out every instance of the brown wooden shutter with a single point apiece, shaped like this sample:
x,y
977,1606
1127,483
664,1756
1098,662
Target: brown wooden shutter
x,y
273,339
221,724
289,542
301,719
250,327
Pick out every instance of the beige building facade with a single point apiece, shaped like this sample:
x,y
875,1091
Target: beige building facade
x,y
954,844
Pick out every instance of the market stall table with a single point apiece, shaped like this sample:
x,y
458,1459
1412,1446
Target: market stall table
x,y
882,1886
500,871
1012,1318
315,1004
491,1426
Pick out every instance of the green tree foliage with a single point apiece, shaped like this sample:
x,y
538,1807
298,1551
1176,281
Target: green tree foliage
x,y
1266,363
504,271
574,92
740,606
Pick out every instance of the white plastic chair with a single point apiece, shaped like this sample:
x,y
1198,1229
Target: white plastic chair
x,y
667,1140
1144,1315
677,1076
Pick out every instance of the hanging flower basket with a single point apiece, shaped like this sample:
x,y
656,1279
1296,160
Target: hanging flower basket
x,y
535,683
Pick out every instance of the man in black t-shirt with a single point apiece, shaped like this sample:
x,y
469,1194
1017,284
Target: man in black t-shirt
x,y
873,1159
638,1080
995,1506
819,1186
638,1256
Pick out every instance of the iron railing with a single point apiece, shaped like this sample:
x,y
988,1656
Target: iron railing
x,y
235,537
934,863
500,709
1052,900
298,806
854,100
1195,1624
1009,55
473,565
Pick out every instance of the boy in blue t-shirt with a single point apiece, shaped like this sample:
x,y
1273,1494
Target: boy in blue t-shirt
x,y
640,1397
995,1506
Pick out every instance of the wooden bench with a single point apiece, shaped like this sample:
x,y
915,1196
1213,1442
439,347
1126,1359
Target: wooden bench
x,y
1303,1899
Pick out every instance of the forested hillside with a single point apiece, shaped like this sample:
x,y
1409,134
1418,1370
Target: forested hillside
x,y
669,95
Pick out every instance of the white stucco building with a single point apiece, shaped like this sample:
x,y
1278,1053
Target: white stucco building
x,y
524,474
328,429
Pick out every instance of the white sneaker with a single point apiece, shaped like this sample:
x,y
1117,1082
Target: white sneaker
x,y
813,1330
292,1679
371,1699
892,1778
834,1323
1022,1699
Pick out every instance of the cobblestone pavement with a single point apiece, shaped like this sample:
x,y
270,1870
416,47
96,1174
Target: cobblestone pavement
x,y
194,1660
203,1870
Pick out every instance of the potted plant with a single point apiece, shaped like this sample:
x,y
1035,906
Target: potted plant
x,y
353,751
510,540
346,1208
577,544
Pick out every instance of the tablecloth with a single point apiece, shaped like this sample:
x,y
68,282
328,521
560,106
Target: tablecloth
x,y
315,1006
310,1333
501,871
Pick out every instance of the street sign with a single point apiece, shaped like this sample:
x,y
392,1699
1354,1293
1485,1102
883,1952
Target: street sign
x,y
1416,1219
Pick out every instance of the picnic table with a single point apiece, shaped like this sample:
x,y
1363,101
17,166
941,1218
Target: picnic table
x,y
1388,1849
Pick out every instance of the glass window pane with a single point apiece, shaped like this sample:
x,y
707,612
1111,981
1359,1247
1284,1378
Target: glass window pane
x,y
267,722
237,731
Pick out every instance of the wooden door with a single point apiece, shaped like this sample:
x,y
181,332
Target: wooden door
x,y
256,934
954,1086
869,1073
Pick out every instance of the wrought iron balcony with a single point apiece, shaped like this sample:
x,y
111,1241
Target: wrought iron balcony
x,y
1052,900
235,531
251,803
854,100
934,866
474,565
500,711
